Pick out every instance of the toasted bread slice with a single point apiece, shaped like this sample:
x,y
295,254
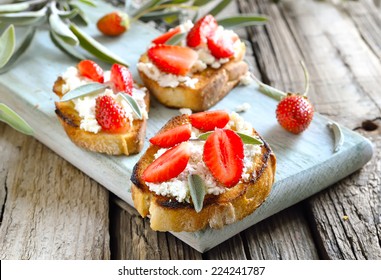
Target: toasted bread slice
x,y
213,85
127,143
167,214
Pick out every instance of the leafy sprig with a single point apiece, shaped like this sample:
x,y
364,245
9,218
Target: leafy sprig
x,y
64,18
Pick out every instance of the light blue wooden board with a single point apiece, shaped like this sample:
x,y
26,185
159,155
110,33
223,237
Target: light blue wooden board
x,y
306,163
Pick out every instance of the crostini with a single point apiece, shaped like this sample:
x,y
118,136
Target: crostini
x,y
102,111
198,71
206,169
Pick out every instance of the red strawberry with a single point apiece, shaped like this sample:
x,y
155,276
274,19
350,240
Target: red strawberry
x,y
221,46
113,24
223,155
202,29
172,136
209,120
110,115
91,70
122,78
294,113
169,165
172,59
166,36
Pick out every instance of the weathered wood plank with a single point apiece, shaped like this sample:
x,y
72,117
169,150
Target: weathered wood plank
x,y
132,238
51,210
285,236
345,80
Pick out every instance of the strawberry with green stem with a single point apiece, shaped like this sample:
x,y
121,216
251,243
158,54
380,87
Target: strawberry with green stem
x,y
294,112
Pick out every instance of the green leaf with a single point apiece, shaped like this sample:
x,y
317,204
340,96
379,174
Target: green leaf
x,y
219,7
88,3
80,18
133,104
200,3
10,117
14,7
62,30
7,45
84,90
159,15
25,43
95,48
247,139
242,21
197,190
269,90
69,50
68,14
24,18
176,39
146,6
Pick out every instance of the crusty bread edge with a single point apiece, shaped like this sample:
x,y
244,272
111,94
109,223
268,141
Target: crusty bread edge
x,y
213,85
128,143
173,216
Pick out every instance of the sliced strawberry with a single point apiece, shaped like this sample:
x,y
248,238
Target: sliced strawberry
x,y
166,36
221,46
172,59
169,165
91,70
110,115
209,120
202,29
223,155
172,136
122,78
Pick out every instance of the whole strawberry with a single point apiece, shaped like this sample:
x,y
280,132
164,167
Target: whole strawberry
x,y
294,113
110,115
113,24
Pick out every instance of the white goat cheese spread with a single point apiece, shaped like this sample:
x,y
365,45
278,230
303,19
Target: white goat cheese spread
x,y
178,187
205,59
85,106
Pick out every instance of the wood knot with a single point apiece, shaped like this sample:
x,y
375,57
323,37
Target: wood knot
x,y
369,125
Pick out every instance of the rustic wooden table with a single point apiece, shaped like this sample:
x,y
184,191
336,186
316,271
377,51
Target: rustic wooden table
x,y
51,210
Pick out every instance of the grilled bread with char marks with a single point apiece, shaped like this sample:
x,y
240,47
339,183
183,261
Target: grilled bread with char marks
x,y
167,214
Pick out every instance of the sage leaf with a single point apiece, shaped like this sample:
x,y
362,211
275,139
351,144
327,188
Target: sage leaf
x,y
200,3
247,139
94,47
204,136
219,7
88,2
14,7
84,90
197,190
69,50
337,135
176,39
80,18
62,30
25,43
24,18
7,45
132,102
159,15
11,118
269,90
146,6
242,21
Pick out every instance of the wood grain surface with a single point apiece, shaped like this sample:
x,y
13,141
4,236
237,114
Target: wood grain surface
x,y
341,49
49,209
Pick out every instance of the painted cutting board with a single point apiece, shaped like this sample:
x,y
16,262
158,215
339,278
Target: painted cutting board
x,y
306,163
